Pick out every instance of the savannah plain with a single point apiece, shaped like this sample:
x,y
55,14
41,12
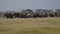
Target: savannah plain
x,y
30,25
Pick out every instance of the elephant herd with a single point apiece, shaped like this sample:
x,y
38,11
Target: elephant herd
x,y
30,14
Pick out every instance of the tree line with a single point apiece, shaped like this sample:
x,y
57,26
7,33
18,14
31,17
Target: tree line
x,y
29,13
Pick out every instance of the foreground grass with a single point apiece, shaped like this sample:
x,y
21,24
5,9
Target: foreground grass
x,y
30,26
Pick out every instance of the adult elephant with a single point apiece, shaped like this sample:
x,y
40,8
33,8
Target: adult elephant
x,y
44,14
35,15
8,15
16,15
51,15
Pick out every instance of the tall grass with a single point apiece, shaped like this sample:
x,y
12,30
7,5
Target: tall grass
x,y
30,26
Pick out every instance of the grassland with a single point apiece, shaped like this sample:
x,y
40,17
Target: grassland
x,y
30,26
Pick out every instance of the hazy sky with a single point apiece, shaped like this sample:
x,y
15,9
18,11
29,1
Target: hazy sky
x,y
29,4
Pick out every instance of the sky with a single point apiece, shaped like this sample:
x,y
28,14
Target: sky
x,y
17,5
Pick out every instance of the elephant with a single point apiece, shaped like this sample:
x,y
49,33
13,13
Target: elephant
x,y
51,15
8,15
16,15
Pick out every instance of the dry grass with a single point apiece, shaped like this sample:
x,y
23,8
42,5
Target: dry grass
x,y
30,26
